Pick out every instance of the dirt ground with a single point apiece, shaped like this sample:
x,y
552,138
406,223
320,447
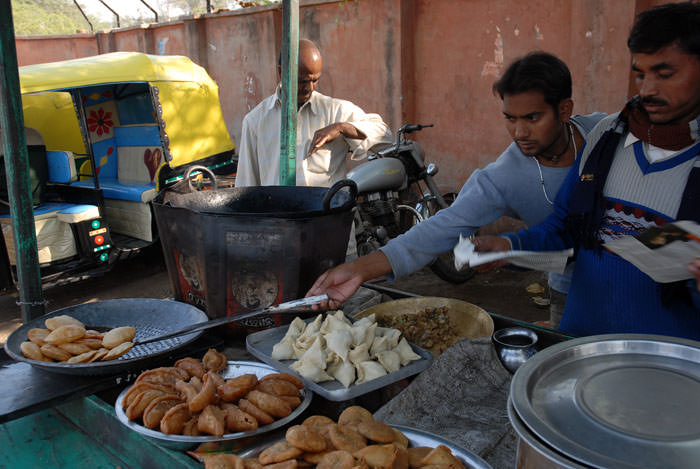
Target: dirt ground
x,y
145,276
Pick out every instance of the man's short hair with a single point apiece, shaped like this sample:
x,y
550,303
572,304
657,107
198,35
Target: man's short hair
x,y
537,71
664,25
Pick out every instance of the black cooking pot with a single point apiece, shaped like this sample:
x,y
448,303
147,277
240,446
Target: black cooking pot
x,y
230,251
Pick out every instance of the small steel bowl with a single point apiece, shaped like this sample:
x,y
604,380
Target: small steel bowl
x,y
514,345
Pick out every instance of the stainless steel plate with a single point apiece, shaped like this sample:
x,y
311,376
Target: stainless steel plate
x,y
619,400
150,317
183,442
415,438
260,344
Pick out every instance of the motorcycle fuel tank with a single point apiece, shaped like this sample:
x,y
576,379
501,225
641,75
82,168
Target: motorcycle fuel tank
x,y
382,174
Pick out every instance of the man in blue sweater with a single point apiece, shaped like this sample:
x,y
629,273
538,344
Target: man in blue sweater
x,y
522,182
640,169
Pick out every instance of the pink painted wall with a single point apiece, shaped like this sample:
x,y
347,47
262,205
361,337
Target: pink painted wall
x,y
461,48
412,61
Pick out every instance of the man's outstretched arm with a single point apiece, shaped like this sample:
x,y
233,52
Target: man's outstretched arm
x,y
341,282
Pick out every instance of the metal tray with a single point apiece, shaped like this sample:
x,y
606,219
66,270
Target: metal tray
x,y
150,317
260,345
618,400
183,442
415,438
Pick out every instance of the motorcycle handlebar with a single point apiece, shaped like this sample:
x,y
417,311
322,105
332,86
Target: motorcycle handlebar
x,y
408,128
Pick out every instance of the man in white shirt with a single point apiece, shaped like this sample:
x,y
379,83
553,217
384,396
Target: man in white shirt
x,y
327,130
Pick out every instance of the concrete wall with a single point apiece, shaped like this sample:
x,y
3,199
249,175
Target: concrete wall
x,y
412,61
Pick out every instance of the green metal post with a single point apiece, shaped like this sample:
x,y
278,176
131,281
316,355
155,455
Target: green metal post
x,y
290,54
14,147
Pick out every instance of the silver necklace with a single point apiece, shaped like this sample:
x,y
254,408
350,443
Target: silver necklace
x,y
539,168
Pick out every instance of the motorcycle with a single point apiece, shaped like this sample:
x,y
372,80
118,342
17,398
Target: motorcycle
x,y
396,190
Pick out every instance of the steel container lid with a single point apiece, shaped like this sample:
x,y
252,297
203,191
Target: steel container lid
x,y
618,400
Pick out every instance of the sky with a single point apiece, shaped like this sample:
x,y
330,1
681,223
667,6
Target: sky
x,y
133,8
124,8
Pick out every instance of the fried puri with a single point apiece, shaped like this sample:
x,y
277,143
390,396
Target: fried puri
x,y
252,463
415,455
32,351
383,457
190,427
92,342
192,366
205,397
141,401
278,387
353,415
279,452
83,357
212,421
293,401
214,361
117,336
157,408
286,377
99,355
400,439
37,335
74,348
305,438
345,438
320,424
260,415
63,320
65,334
196,382
93,334
118,351
317,421
289,464
376,431
269,403
237,420
315,458
223,461
174,419
138,388
187,390
441,456
336,460
235,388
164,375
54,352
218,379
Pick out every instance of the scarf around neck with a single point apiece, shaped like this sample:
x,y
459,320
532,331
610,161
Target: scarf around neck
x,y
667,136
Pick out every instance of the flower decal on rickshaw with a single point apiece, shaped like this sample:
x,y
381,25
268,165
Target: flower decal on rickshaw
x,y
100,121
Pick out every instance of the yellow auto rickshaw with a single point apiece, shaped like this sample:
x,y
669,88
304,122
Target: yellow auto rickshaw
x,y
106,134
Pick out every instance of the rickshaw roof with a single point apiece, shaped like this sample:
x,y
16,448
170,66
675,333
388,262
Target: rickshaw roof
x,y
115,67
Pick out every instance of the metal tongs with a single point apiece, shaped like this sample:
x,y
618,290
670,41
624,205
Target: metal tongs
x,y
289,306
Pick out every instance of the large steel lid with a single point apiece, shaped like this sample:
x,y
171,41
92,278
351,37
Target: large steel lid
x,y
621,400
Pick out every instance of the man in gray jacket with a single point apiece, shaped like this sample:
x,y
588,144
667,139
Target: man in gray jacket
x,y
522,182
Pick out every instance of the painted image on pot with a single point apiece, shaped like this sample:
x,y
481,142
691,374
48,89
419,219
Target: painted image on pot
x,y
659,236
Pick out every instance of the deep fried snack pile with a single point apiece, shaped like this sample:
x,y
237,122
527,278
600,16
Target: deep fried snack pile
x,y
192,398
356,441
430,328
66,339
